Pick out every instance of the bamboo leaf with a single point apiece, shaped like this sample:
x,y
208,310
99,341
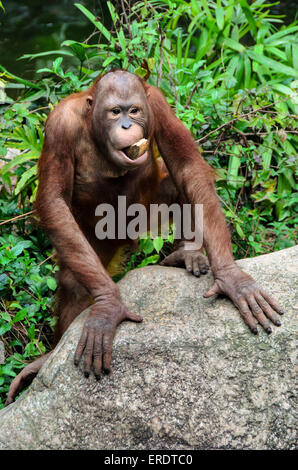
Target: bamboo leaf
x,y
236,46
25,178
18,160
249,16
18,79
280,34
109,60
273,64
207,10
96,22
113,12
220,18
247,71
43,54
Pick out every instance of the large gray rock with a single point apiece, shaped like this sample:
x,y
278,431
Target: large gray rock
x,y
191,376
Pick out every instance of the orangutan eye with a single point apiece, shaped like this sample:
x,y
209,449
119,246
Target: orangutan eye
x,y
116,111
134,111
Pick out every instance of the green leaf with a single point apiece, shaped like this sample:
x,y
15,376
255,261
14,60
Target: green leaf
x,y
113,12
239,231
207,10
146,245
56,65
4,279
7,369
220,18
234,164
280,34
140,72
18,79
5,316
51,283
43,54
295,56
284,90
109,60
20,315
18,160
272,64
247,71
77,48
236,46
249,16
5,328
31,332
158,243
96,22
121,39
20,247
25,178
150,260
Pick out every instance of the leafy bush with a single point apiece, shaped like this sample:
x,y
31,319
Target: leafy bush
x,y
232,78
230,71
26,288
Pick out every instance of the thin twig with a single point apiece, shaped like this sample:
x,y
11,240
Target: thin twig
x,y
18,217
241,116
49,257
95,32
191,95
39,109
126,19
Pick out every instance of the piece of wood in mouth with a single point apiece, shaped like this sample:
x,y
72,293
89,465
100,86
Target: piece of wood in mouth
x,y
137,150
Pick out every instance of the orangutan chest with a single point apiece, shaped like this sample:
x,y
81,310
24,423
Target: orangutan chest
x,y
88,164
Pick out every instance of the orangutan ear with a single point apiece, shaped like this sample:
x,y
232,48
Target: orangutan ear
x,y
89,100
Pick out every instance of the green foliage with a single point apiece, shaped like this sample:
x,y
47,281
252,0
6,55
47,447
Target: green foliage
x,y
26,288
150,251
229,70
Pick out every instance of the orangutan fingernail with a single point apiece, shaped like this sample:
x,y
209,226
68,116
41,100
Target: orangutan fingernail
x,y
255,331
197,273
277,323
86,374
269,331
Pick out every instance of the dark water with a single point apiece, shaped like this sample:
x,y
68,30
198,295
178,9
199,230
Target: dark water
x,y
34,26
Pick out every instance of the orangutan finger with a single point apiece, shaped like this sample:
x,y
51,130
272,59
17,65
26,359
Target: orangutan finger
x,y
247,316
268,310
188,263
258,314
107,351
80,347
88,353
196,267
97,356
273,303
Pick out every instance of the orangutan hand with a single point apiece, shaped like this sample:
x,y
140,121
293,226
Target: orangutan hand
x,y
192,260
255,305
98,333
